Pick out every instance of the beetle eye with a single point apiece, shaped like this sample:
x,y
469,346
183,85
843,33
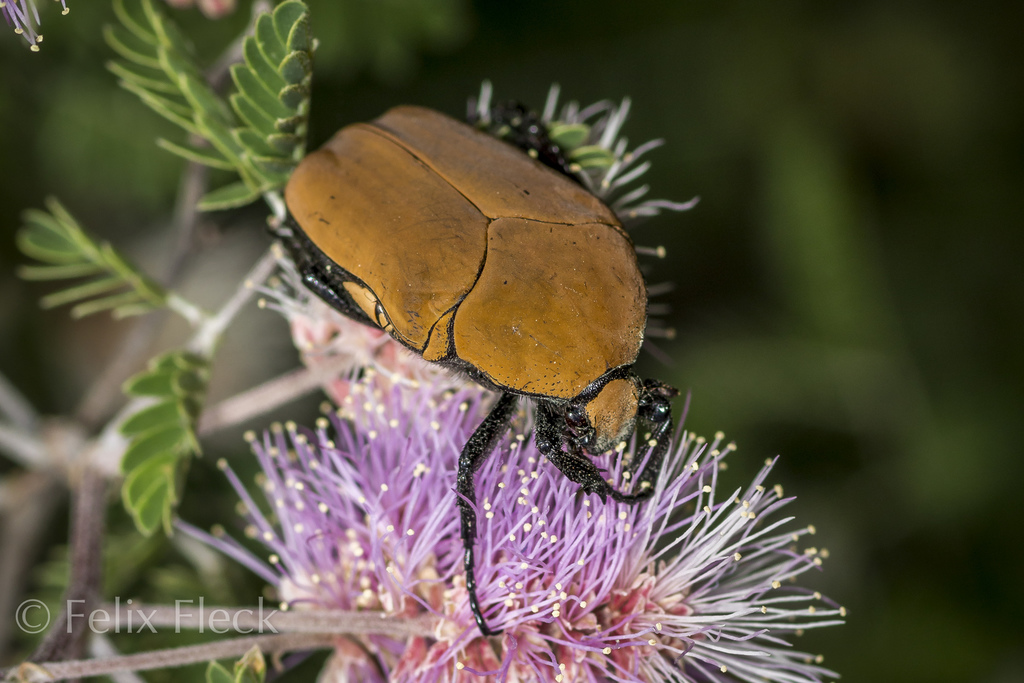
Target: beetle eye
x,y
576,417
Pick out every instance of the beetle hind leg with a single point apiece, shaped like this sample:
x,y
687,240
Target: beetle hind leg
x,y
480,445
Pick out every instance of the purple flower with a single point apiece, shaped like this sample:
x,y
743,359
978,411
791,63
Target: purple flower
x,y
692,585
24,17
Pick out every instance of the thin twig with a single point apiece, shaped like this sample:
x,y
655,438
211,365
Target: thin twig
x,y
194,181
109,446
172,657
191,616
106,390
27,504
24,447
100,647
17,409
208,335
290,631
267,396
86,567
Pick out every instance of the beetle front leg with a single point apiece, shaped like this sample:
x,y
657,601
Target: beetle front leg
x,y
647,476
573,463
480,445
656,409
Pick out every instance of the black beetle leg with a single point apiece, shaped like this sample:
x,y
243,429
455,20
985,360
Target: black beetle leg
x,y
577,467
480,445
656,410
573,463
660,431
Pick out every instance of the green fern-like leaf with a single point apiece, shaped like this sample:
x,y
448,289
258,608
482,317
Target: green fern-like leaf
x,y
162,437
261,133
54,238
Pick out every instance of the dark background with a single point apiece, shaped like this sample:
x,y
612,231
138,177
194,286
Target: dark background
x,y
848,291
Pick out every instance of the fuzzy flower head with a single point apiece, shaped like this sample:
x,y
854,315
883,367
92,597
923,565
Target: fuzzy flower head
x,y
23,16
694,584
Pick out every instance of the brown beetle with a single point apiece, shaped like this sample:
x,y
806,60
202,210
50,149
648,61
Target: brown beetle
x,y
476,256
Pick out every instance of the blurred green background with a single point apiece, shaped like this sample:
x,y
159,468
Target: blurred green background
x,y
848,291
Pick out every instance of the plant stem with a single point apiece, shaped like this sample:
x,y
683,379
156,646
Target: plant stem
x,y
267,396
86,567
304,630
28,501
25,448
106,390
102,397
205,340
100,647
263,619
109,446
16,407
172,657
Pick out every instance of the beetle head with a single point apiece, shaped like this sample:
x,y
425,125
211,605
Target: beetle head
x,y
608,417
600,420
